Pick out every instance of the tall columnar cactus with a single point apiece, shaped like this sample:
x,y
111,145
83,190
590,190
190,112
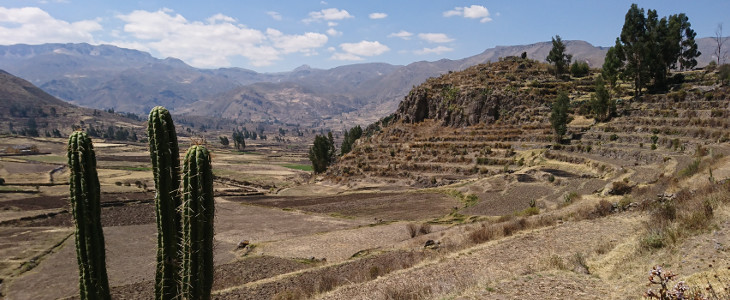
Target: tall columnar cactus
x,y
86,209
197,214
166,165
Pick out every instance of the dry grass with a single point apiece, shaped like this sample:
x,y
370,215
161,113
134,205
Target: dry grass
x,y
688,213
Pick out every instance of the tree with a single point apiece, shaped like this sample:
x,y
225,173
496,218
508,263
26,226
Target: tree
x,y
719,41
649,47
634,47
612,65
602,107
32,128
723,74
350,137
559,115
224,141
322,152
579,69
558,57
239,141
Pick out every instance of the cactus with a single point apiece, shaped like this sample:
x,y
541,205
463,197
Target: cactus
x,y
197,215
166,167
86,209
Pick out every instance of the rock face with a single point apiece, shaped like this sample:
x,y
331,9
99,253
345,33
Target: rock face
x,y
445,103
481,94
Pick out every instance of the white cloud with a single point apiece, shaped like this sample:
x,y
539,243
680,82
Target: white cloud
x,y
328,14
470,12
215,42
221,18
32,25
435,37
402,34
304,43
355,51
274,15
333,32
331,24
435,50
378,15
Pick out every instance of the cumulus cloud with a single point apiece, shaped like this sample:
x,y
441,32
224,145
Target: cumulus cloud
x,y
304,43
328,14
333,32
435,37
355,51
274,15
435,50
215,42
470,12
32,25
378,15
402,34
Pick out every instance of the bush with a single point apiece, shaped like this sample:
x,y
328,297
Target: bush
x,y
723,74
579,69
603,208
425,228
484,234
691,169
620,188
2,181
412,229
570,197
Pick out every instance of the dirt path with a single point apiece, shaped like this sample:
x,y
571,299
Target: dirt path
x,y
496,261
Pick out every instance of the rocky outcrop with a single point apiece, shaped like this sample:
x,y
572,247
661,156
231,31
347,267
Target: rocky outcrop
x,y
481,94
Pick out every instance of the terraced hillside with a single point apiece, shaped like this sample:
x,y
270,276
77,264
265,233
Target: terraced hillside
x,y
490,122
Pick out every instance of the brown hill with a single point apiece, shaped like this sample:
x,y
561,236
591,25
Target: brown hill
x,y
24,106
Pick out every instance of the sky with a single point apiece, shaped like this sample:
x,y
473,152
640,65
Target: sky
x,y
277,36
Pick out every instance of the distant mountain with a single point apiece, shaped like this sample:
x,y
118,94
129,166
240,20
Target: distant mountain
x,y
134,81
22,104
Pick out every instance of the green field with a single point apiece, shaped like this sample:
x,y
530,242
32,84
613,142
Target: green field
x,y
307,168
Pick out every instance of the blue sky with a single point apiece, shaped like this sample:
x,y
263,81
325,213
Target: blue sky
x,y
271,36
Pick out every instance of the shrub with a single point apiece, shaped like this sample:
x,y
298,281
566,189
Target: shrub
x,y
425,228
603,208
484,234
620,188
691,169
570,197
579,69
412,229
723,74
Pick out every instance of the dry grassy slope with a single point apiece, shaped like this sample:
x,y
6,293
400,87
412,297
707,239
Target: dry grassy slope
x,y
16,93
493,118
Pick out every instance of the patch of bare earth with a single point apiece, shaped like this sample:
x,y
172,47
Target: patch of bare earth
x,y
130,249
383,206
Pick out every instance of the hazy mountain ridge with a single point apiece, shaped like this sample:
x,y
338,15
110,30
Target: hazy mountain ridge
x,y
130,80
21,102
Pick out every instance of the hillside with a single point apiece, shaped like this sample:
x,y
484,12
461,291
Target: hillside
x,y
24,106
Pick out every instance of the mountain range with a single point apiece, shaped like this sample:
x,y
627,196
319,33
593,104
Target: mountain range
x,y
103,76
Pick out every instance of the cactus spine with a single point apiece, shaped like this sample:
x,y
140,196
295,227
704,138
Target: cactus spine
x,y
197,215
165,157
86,209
